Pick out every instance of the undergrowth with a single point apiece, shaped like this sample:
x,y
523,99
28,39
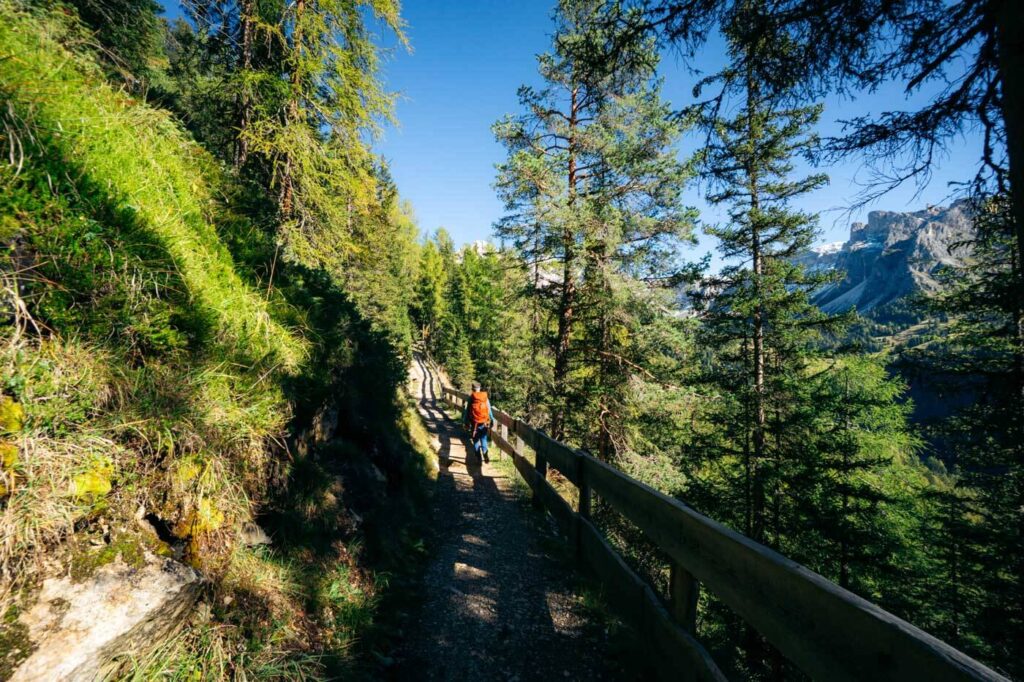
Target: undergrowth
x,y
151,388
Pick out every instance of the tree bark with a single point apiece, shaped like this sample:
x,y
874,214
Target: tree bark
x,y
567,302
286,200
245,108
1010,46
758,353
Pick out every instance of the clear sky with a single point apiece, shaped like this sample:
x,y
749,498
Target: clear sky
x,y
467,60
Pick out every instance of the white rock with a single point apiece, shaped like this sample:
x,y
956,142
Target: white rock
x,y
79,627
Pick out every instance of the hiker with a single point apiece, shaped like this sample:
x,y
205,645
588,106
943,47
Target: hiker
x,y
477,419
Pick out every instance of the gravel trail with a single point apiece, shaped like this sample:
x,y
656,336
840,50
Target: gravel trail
x,y
499,602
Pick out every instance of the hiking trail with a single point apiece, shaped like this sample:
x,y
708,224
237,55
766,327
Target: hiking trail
x,y
500,603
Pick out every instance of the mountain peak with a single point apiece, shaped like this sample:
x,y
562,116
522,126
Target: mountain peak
x,y
890,256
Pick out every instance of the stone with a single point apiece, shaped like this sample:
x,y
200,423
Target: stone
x,y
251,534
79,627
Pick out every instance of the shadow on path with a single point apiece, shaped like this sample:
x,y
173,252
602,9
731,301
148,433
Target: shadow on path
x,y
496,605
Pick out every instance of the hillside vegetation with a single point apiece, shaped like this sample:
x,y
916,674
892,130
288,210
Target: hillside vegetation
x,y
211,289
770,404
159,392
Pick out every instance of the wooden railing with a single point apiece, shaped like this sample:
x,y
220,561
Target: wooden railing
x,y
827,631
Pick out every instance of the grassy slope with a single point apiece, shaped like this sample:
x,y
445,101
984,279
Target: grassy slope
x,y
140,370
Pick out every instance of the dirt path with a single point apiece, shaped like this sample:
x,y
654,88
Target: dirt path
x,y
497,606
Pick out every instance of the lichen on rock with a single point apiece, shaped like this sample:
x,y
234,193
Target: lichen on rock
x,y
77,627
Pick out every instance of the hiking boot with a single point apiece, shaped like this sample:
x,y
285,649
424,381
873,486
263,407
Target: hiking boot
x,y
486,458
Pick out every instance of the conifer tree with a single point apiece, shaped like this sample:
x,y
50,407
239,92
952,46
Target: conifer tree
x,y
986,439
324,170
759,313
591,182
857,483
129,31
430,303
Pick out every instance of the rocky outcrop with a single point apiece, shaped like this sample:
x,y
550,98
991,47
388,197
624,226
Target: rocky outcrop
x,y
892,255
77,627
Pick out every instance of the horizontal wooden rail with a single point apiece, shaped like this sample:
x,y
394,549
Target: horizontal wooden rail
x,y
827,631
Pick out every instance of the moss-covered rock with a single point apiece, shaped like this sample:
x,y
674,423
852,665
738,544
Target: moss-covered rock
x,y
95,482
126,605
15,643
12,415
129,548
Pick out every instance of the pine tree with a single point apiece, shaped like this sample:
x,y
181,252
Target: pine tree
x,y
591,183
759,311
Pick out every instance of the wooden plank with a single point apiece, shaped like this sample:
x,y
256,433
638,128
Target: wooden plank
x,y
540,465
504,419
560,456
829,632
583,505
526,470
684,591
502,444
554,504
680,656
623,587
525,433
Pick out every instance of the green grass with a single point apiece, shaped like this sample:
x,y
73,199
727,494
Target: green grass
x,y
152,371
151,172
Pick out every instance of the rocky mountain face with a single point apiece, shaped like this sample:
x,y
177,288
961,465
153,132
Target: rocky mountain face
x,y
892,255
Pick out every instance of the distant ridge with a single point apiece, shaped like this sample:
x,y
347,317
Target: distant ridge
x,y
892,255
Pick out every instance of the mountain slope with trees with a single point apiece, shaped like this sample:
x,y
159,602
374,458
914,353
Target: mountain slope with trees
x,y
180,379
755,408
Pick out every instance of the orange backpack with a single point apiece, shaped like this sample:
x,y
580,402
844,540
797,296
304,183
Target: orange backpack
x,y
478,408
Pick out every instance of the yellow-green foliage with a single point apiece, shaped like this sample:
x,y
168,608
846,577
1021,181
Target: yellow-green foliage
x,y
149,167
102,423
95,481
158,387
8,455
12,415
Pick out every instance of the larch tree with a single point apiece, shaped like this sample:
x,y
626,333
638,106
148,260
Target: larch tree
x,y
858,484
324,171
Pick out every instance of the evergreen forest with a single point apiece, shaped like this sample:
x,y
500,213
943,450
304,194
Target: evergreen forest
x,y
213,289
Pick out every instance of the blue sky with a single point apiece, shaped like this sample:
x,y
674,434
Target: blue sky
x,y
467,60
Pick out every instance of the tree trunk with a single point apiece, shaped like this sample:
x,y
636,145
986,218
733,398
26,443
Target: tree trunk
x,y
245,108
755,644
567,303
1010,45
286,200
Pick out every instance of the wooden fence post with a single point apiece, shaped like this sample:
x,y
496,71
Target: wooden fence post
x,y
583,505
503,432
540,464
684,591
